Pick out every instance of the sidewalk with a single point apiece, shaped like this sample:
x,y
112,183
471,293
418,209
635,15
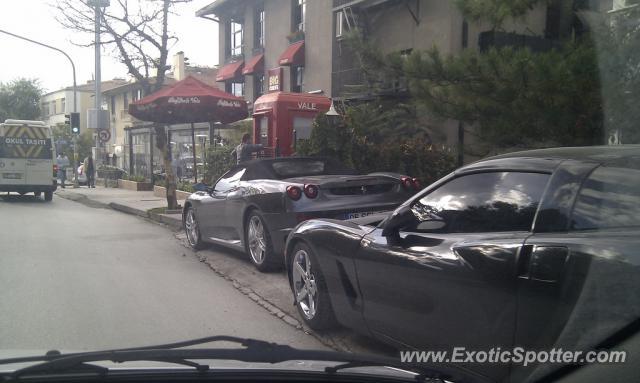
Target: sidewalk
x,y
132,202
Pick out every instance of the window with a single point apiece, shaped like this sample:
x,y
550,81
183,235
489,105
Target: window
x,y
610,198
264,130
113,105
484,202
297,79
299,14
235,88
259,28
126,100
258,83
303,127
54,107
136,94
63,106
236,39
229,180
45,109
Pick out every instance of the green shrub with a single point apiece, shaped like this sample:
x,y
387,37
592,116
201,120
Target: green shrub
x,y
353,146
185,186
135,178
218,160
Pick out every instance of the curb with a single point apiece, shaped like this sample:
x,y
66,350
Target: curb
x,y
173,223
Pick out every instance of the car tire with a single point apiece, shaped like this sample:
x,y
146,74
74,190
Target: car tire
x,y
310,289
258,245
37,194
192,229
48,196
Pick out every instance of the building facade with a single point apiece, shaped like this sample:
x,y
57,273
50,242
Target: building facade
x,y
302,45
54,105
272,45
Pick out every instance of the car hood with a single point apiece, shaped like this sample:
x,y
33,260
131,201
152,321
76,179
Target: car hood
x,y
293,366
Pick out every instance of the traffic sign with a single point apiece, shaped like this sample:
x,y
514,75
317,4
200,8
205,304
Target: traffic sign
x,y
104,135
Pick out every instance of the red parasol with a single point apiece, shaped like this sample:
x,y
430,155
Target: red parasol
x,y
189,100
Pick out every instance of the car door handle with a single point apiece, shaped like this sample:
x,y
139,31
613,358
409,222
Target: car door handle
x,y
542,263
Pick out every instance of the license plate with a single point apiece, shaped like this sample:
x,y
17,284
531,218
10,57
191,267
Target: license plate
x,y
360,214
12,176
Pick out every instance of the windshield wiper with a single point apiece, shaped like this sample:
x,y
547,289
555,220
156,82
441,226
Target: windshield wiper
x,y
256,351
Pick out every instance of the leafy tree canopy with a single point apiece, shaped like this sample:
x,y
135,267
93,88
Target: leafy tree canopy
x,y
20,99
496,11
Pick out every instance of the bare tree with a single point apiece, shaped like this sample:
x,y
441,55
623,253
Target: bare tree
x,y
137,33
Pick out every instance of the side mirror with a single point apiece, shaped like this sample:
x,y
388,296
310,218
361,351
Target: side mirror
x,y
398,219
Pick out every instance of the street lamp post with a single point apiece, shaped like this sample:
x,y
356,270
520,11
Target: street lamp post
x,y
75,93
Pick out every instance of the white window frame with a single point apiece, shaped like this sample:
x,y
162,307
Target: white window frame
x,y
236,32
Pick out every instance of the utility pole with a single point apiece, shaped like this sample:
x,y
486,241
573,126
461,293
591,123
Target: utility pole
x,y
98,4
98,95
75,93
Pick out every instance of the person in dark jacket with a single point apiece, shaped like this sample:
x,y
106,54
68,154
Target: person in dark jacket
x,y
245,149
90,171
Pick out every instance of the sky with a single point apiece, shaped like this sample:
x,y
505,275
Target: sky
x,y
35,19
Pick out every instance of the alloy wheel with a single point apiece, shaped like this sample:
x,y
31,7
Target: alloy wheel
x,y
191,228
304,284
256,238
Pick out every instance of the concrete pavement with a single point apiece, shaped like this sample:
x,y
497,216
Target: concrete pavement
x,y
75,277
269,290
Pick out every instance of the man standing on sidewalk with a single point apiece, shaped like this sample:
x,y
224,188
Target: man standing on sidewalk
x,y
244,151
63,164
89,171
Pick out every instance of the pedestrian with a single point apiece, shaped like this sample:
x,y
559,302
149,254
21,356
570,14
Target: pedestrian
x,y
89,170
246,149
63,163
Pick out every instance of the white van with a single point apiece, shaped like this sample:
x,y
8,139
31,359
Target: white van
x,y
27,158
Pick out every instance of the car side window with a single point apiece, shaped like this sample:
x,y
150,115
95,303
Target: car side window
x,y
229,180
482,202
609,198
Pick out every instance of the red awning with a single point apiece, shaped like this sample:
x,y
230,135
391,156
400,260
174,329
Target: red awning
x,y
293,55
229,71
255,65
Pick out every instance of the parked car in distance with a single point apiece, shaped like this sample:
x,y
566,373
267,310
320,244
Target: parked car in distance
x,y
254,205
537,249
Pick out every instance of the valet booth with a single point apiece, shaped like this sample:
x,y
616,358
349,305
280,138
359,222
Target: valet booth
x,y
281,119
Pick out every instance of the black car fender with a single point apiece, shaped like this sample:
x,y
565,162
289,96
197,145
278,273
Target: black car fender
x,y
333,242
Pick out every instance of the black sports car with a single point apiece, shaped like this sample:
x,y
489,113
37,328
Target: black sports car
x,y
255,205
536,249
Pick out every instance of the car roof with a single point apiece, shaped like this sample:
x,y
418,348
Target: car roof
x,y
545,160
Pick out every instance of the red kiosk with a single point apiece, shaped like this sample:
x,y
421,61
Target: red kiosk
x,y
280,119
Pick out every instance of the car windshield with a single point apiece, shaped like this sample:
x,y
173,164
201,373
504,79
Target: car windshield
x,y
451,186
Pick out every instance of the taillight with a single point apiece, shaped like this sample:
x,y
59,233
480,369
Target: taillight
x,y
294,192
311,191
416,184
407,183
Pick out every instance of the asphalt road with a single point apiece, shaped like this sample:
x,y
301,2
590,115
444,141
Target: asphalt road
x,y
74,277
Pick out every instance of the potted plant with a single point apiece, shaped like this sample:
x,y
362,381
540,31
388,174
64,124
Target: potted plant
x,y
135,182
